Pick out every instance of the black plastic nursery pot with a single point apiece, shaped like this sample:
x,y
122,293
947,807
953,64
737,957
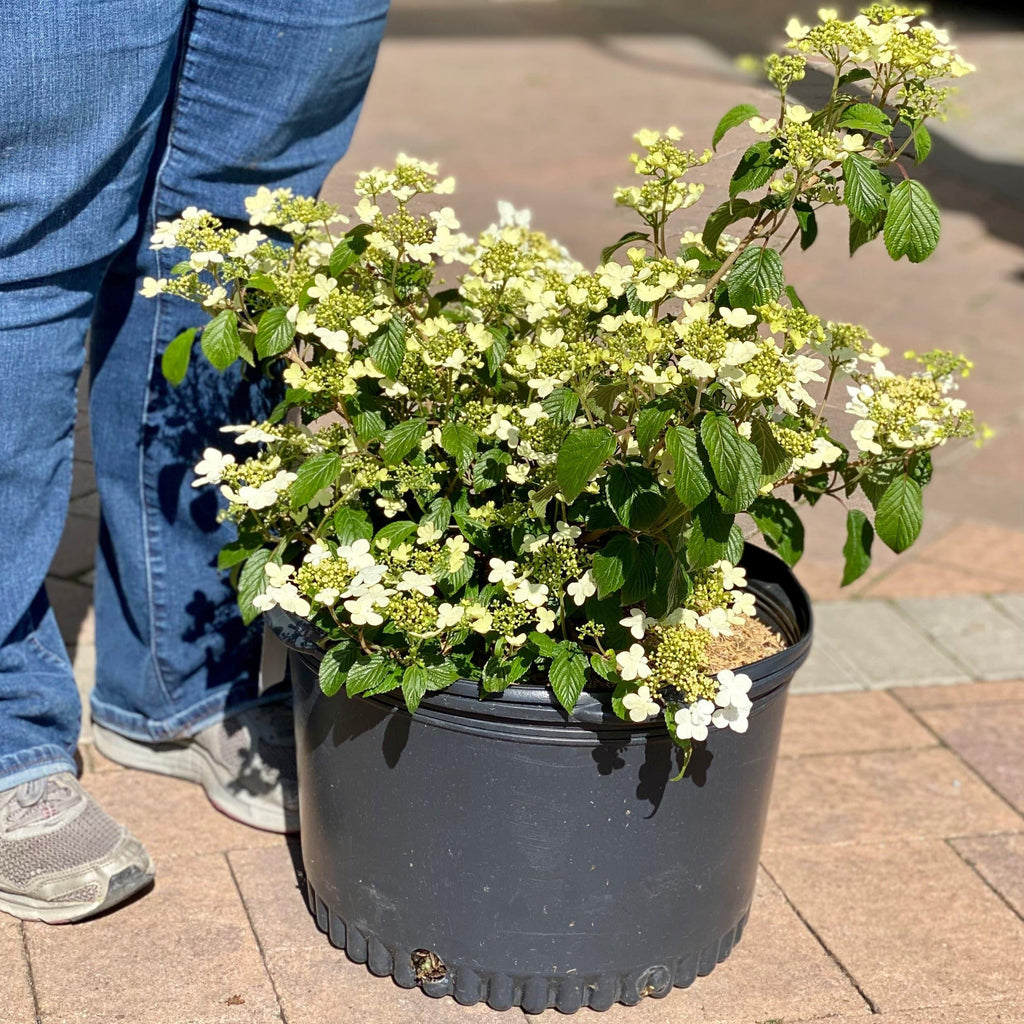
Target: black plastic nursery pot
x,y
499,850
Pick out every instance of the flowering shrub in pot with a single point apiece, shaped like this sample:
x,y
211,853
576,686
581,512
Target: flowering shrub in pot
x,y
497,515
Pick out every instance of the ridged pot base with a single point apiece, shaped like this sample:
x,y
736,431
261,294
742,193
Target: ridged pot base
x,y
500,850
533,993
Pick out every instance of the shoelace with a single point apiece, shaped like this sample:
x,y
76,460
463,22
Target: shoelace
x,y
39,800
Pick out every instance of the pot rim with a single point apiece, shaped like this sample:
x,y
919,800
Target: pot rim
x,y
536,702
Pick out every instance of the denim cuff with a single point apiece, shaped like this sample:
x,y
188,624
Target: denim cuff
x,y
34,763
211,710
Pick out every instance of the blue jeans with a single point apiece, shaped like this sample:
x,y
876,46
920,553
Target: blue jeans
x,y
115,114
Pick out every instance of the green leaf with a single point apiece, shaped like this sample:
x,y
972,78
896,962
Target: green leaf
x,y
251,582
794,300
643,573
582,453
352,524
238,550
401,439
861,233
369,676
262,283
778,522
691,482
495,354
722,216
756,167
922,143
650,423
775,460
568,674
489,470
671,585
875,483
865,117
900,513
547,647
714,535
629,236
561,405
808,222
438,515
857,549
912,226
174,362
430,675
621,690
369,425
637,306
452,582
275,333
866,192
335,665
733,119
856,75
394,534
921,468
707,264
613,563
756,277
221,343
734,459
349,249
686,746
634,494
604,666
459,440
316,473
387,350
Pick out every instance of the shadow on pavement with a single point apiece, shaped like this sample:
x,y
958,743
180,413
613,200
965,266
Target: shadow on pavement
x,y
734,28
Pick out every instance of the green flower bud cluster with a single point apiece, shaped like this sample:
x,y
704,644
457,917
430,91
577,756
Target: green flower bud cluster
x,y
341,307
800,327
203,233
783,71
328,572
705,340
508,617
296,215
420,478
556,563
676,659
412,613
796,442
804,146
708,592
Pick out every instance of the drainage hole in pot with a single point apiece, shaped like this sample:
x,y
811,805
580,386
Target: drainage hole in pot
x,y
428,965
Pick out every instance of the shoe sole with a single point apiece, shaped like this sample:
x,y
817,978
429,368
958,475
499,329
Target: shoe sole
x,y
121,886
190,762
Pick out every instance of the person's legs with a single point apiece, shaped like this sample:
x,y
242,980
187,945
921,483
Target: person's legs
x,y
267,94
81,92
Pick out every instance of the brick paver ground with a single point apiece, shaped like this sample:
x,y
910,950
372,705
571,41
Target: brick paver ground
x,y
892,886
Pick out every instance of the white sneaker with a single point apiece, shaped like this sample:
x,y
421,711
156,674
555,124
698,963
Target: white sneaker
x,y
63,858
246,764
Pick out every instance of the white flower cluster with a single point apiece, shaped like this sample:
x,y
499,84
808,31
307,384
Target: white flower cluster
x,y
903,412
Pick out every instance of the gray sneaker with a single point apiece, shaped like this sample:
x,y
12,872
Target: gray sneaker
x,y
62,858
246,764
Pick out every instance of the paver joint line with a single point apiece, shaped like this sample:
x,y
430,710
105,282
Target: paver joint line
x,y
259,945
28,970
821,942
966,764
894,604
974,867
